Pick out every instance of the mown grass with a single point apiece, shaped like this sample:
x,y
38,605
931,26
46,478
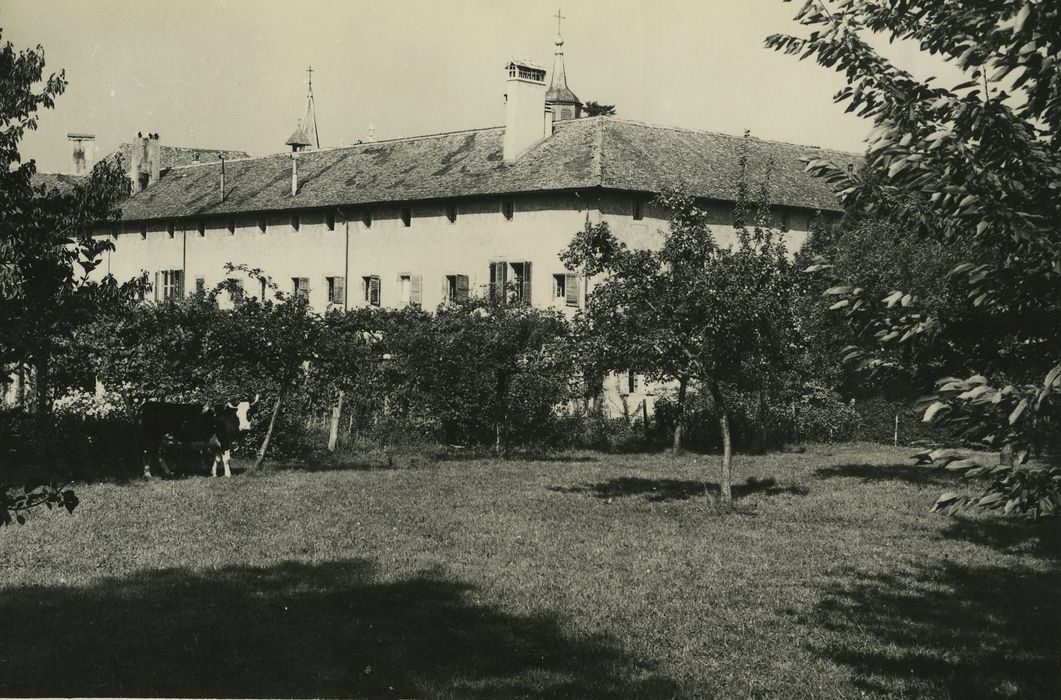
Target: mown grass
x,y
603,576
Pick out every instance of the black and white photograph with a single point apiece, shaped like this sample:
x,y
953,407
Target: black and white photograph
x,y
445,349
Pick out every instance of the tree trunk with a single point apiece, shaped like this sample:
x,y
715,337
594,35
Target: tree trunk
x,y
43,378
679,424
269,430
760,423
333,432
725,479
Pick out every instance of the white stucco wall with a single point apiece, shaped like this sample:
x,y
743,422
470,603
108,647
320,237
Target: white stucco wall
x,y
431,246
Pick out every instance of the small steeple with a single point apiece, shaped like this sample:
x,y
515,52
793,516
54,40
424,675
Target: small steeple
x,y
564,103
311,113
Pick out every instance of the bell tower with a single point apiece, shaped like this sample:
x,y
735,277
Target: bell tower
x,y
564,103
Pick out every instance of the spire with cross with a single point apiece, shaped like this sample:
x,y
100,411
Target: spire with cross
x,y
310,121
564,103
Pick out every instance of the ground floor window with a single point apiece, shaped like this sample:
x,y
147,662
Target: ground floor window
x,y
457,288
172,285
300,287
370,288
511,281
336,290
565,287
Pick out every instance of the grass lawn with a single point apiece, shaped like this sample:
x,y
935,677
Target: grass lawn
x,y
599,576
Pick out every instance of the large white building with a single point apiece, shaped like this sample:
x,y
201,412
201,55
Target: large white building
x,y
424,219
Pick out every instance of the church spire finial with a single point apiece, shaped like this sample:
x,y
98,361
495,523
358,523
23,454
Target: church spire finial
x,y
311,111
564,103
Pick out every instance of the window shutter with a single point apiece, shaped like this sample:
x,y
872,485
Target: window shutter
x,y
462,287
303,286
339,290
179,294
498,279
571,288
373,291
416,289
525,293
156,285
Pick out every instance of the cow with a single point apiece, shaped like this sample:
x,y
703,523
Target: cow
x,y
214,427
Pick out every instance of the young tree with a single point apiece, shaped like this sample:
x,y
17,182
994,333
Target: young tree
x,y
975,167
691,311
46,246
596,109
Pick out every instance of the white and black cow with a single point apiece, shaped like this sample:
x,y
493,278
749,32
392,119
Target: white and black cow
x,y
213,427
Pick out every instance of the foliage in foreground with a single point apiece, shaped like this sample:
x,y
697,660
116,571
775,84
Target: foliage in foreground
x,y
693,310
977,168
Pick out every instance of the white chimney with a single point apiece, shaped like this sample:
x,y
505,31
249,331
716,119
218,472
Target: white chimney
x,y
146,164
294,173
84,152
526,123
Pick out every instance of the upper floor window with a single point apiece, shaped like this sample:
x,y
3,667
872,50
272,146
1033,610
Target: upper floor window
x,y
565,287
336,290
639,212
410,290
511,281
296,221
366,218
457,288
407,216
169,229
143,231
262,224
172,284
231,226
329,219
202,228
508,208
451,213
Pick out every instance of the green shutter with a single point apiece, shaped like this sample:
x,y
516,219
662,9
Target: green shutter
x,y
155,290
498,279
339,290
462,287
571,289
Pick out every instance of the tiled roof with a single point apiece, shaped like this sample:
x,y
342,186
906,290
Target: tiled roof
x,y
177,156
58,181
599,152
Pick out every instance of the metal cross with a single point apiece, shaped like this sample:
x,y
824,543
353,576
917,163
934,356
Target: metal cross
x,y
310,71
558,17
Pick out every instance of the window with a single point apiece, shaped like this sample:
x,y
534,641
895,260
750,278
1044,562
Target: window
x,y
451,213
336,290
639,213
407,216
508,207
410,290
631,382
200,285
565,287
366,218
262,286
262,224
145,180
457,288
512,280
172,284
329,219
300,287
231,227
202,228
114,231
235,288
371,288
169,229
143,232
295,221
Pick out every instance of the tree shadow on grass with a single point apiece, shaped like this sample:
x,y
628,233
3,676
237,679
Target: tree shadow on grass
x,y
944,630
676,489
870,473
297,630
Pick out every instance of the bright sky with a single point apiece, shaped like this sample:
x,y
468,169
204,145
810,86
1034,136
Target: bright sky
x,y
232,73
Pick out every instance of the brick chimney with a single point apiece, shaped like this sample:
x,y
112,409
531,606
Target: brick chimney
x,y
146,161
525,113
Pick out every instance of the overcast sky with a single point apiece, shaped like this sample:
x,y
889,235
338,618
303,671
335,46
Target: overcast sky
x,y
232,73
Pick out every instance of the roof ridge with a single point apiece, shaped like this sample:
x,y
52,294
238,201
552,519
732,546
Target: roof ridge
x,y
723,134
363,144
